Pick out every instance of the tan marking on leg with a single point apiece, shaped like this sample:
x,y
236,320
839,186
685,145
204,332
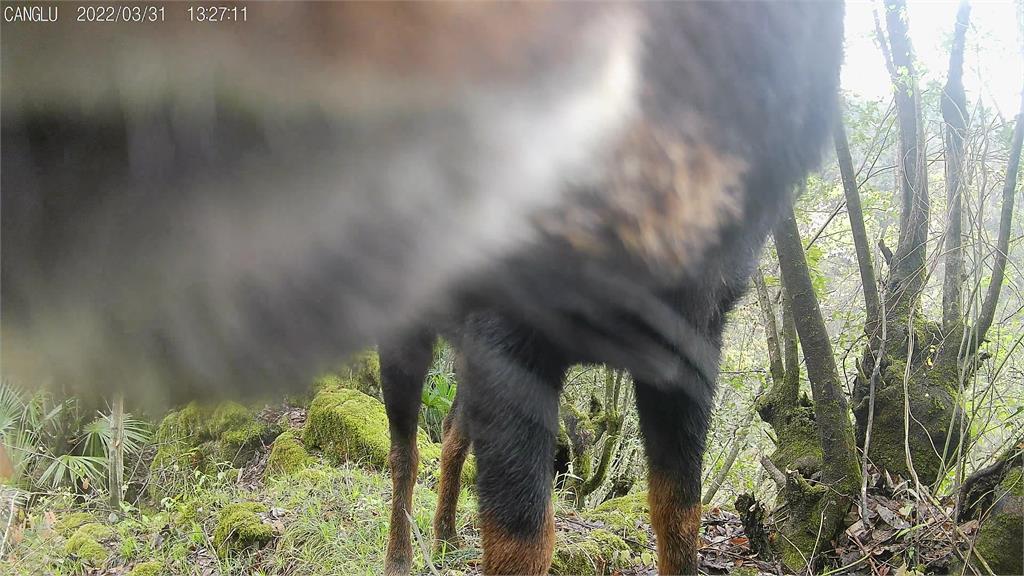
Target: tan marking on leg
x,y
676,525
507,554
454,448
404,460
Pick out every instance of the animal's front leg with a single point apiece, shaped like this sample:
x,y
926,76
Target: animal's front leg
x,y
674,427
513,386
403,367
454,449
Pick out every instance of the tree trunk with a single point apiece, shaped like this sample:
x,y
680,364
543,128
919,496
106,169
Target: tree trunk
x,y
790,417
912,342
954,113
907,273
115,472
840,474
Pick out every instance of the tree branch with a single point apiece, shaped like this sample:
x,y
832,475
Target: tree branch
x,y
988,306
860,235
771,329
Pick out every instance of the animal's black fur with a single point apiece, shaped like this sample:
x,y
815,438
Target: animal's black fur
x,y
665,326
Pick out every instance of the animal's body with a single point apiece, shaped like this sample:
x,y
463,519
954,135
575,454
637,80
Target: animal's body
x,y
574,182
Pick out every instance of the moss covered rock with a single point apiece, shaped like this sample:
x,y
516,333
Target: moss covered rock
x,y
67,525
595,552
625,518
634,504
172,470
185,425
350,426
85,544
147,569
364,369
196,438
287,455
362,372
1001,536
239,527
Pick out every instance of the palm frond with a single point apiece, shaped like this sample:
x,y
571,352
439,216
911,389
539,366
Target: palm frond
x,y
68,468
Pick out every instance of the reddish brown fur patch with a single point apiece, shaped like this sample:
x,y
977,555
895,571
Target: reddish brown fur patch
x,y
676,525
447,40
666,198
454,447
404,460
506,554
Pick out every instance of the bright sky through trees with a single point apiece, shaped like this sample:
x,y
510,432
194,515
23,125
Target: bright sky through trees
x,y
994,63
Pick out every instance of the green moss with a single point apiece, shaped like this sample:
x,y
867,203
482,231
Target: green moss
x,y
196,438
362,373
634,504
240,445
171,471
1000,541
67,525
364,368
595,552
185,425
931,407
287,455
348,426
238,433
800,527
312,477
1001,536
239,527
799,447
147,569
328,382
624,519
625,522
85,544
1013,483
228,416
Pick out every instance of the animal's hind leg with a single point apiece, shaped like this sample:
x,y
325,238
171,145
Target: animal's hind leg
x,y
512,406
454,448
403,367
674,427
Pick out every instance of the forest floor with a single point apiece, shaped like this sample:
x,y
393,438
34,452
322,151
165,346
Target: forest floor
x,y
320,516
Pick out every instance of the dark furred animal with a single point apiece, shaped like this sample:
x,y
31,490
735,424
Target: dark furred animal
x,y
639,273
572,182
